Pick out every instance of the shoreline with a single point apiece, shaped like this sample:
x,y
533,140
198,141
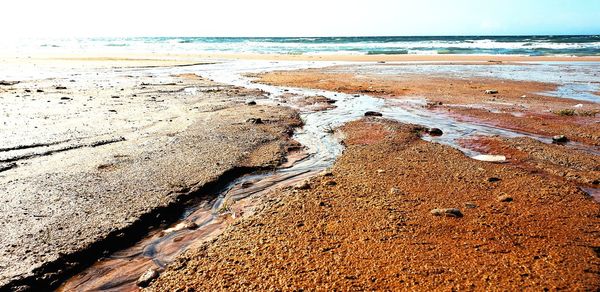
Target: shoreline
x,y
181,59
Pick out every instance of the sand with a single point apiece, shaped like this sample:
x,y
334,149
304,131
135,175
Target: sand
x,y
109,149
369,226
515,105
96,160
103,59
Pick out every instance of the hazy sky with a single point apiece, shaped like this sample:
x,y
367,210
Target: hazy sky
x,y
69,18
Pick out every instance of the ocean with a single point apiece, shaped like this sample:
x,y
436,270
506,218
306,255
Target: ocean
x,y
572,45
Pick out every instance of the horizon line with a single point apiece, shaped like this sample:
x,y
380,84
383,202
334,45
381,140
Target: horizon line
x,y
337,36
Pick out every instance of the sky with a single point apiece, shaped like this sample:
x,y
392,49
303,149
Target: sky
x,y
116,18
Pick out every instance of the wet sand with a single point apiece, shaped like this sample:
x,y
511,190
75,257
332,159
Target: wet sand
x,y
180,58
579,167
369,224
93,159
511,104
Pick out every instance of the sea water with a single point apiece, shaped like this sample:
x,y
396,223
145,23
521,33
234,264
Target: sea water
x,y
565,45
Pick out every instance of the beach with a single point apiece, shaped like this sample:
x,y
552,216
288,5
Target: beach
x,y
222,171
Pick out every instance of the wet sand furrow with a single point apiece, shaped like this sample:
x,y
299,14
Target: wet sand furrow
x,y
61,149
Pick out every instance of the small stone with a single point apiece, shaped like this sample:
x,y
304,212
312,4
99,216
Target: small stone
x,y
435,132
27,90
61,87
191,225
490,158
373,114
470,205
329,183
560,139
147,277
448,212
65,98
255,121
493,179
523,96
505,198
326,173
246,184
305,185
380,171
491,91
39,91
395,191
115,96
250,102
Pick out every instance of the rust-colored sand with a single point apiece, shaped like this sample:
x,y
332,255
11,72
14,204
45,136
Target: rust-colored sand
x,y
368,226
557,160
517,105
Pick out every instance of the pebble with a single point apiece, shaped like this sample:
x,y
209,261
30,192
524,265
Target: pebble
x,y
435,132
255,121
490,158
373,114
147,277
246,184
493,179
65,98
61,87
190,225
326,173
380,171
448,212
305,185
250,102
470,205
329,183
505,198
491,91
395,191
560,139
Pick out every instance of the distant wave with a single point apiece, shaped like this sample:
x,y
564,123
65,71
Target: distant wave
x,y
576,45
